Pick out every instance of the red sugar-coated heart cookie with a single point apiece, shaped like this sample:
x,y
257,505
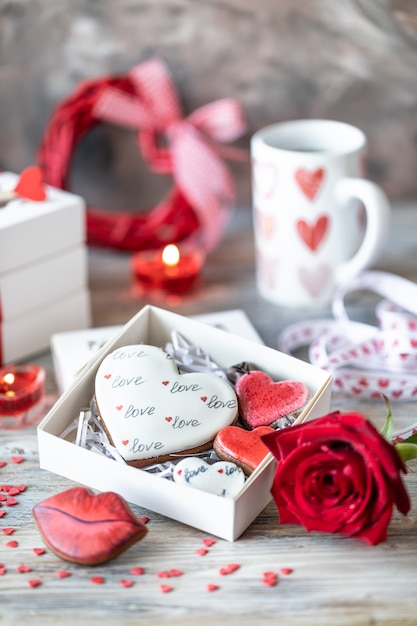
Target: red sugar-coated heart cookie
x,y
87,529
263,401
30,184
244,447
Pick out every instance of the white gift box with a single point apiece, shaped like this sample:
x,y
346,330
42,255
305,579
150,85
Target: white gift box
x,y
224,517
43,270
71,350
30,231
30,334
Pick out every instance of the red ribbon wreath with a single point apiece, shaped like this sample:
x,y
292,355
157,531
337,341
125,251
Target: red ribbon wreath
x,y
145,99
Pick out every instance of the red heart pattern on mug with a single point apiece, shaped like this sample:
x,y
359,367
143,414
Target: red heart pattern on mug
x,y
315,279
30,184
264,178
263,401
310,182
313,234
158,411
267,269
265,223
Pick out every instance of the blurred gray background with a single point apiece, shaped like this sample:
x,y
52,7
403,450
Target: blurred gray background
x,y
353,60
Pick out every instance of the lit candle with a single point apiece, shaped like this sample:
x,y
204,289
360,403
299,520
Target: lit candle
x,y
21,392
172,270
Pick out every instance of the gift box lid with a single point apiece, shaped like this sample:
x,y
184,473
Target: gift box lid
x,y
31,230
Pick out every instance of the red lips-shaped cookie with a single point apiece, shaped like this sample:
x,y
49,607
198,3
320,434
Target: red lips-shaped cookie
x,y
244,447
262,401
87,529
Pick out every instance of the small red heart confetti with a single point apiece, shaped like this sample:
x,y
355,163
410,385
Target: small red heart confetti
x,y
2,497
8,531
204,398
3,570
144,519
23,569
3,513
166,588
3,463
286,570
126,583
125,442
270,579
119,407
163,574
12,544
168,419
137,571
13,491
11,502
34,583
220,471
211,587
176,572
165,382
229,569
209,542
62,573
39,551
201,551
97,580
17,459
21,488
107,376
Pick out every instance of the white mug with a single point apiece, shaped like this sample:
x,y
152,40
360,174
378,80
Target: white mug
x,y
311,233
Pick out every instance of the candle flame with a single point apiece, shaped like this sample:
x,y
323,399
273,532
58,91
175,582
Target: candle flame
x,y
170,255
8,379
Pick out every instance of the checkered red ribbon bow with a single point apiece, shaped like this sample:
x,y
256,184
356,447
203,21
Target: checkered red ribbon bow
x,y
184,147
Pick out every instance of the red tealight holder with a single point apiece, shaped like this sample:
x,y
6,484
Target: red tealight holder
x,y
21,392
171,270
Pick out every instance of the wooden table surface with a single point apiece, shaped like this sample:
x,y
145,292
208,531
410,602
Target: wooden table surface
x,y
334,580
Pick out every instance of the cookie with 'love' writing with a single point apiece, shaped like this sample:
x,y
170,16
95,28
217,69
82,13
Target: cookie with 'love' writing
x,y
222,478
152,413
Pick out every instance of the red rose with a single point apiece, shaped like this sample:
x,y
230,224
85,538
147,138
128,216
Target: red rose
x,y
337,474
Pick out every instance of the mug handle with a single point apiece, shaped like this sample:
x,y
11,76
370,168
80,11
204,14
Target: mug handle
x,y
378,216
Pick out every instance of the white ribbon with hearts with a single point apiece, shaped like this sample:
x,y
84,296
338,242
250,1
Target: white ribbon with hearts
x,y
366,360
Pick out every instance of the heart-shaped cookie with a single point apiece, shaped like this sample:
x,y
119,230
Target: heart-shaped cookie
x,y
243,447
150,411
262,401
221,478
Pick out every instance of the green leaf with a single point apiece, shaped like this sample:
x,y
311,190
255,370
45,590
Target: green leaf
x,y
410,439
388,428
407,451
